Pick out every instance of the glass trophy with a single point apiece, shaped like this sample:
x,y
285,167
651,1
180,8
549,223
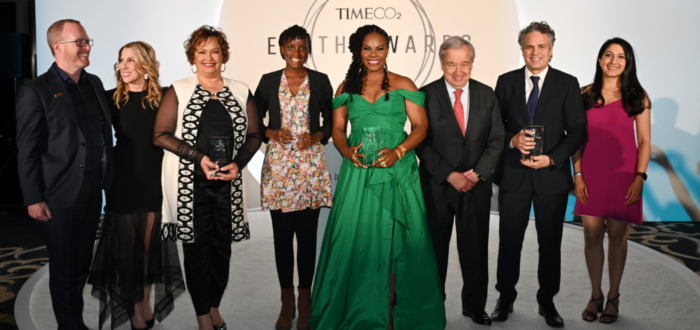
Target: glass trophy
x,y
536,132
220,151
372,142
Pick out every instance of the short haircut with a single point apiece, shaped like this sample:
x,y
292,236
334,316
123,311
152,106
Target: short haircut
x,y
455,43
541,27
55,31
293,33
200,36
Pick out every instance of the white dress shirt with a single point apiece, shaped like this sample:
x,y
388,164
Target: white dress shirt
x,y
464,98
529,85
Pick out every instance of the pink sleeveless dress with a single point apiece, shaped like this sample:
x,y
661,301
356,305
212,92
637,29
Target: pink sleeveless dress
x,y
609,164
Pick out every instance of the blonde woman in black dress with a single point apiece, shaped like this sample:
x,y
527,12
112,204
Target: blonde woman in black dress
x,y
131,257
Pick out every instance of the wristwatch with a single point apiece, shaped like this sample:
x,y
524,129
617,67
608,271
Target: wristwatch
x,y
643,175
478,176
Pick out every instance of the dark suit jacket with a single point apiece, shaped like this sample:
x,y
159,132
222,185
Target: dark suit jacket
x,y
445,150
51,147
560,111
267,99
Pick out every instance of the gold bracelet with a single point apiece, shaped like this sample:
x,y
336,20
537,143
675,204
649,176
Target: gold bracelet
x,y
398,153
403,149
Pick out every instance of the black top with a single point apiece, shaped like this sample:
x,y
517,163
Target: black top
x,y
215,121
89,115
320,102
137,162
445,150
50,144
166,122
560,111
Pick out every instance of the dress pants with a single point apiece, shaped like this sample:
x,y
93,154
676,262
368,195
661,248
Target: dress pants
x,y
303,223
471,214
70,238
207,258
514,208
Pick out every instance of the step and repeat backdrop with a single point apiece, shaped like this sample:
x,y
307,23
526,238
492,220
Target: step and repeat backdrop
x,y
661,33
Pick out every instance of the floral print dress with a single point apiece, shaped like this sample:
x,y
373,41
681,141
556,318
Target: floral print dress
x,y
292,179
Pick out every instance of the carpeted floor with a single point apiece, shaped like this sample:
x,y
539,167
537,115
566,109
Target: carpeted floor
x,y
22,252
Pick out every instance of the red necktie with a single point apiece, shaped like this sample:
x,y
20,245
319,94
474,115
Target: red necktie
x,y
459,111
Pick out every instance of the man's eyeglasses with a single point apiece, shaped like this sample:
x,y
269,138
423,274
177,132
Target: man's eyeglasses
x,y
79,42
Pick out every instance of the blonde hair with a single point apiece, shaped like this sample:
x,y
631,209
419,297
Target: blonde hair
x,y
147,64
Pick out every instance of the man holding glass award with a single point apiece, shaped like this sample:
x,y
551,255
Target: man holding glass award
x,y
457,158
545,124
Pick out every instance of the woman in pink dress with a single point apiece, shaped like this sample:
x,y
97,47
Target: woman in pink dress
x,y
610,169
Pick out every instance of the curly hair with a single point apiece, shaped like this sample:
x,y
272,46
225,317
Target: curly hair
x,y
200,36
541,27
293,33
357,71
633,95
146,63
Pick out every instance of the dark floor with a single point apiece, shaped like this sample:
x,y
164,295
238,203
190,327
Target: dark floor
x,y
22,253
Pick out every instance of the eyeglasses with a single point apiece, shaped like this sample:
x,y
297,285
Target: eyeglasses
x,y
80,42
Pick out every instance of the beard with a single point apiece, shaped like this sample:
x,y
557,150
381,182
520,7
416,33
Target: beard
x,y
81,62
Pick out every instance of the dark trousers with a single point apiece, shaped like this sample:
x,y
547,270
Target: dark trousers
x,y
514,208
304,224
70,239
207,258
471,216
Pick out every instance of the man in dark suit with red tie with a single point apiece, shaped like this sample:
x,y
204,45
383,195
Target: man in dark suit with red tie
x,y
457,158
535,95
64,139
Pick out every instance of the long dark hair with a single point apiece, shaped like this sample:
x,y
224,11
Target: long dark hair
x,y
633,95
357,71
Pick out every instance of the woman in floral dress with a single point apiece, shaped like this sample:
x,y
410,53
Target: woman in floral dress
x,y
295,180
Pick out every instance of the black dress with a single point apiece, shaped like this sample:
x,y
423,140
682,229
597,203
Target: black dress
x,y
130,253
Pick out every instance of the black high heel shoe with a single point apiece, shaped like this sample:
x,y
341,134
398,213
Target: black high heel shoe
x,y
586,313
610,316
135,328
150,323
220,326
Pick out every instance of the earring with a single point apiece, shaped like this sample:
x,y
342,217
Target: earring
x,y
223,67
145,76
192,68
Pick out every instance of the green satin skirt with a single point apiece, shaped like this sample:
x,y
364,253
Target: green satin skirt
x,y
377,226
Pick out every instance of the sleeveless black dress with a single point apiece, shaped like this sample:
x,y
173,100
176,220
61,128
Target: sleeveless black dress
x,y
130,253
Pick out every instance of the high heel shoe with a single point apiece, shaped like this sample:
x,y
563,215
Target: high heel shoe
x,y
220,326
587,313
287,311
613,318
135,328
150,323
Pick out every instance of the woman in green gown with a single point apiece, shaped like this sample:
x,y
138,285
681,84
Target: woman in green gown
x,y
377,267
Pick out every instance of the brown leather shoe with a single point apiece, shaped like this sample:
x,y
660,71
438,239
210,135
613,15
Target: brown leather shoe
x,y
304,305
288,310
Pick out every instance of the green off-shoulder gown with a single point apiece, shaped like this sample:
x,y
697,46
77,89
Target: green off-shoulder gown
x,y
377,226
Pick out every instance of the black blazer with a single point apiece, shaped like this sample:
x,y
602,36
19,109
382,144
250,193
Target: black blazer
x,y
50,144
445,150
320,102
560,111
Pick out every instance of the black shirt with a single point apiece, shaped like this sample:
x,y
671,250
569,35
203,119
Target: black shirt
x,y
89,115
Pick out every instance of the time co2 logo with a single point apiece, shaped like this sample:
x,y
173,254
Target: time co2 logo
x,y
368,13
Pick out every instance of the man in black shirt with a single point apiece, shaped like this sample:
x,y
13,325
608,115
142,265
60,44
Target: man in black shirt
x,y
64,139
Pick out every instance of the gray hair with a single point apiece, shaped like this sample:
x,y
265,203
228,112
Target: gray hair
x,y
455,43
541,27
55,31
